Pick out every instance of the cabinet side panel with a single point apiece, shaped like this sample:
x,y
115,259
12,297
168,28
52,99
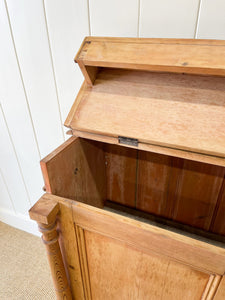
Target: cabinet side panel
x,y
76,171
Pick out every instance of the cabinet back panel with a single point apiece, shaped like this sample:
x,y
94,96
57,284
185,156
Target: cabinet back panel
x,y
181,190
218,224
154,175
178,189
197,193
121,169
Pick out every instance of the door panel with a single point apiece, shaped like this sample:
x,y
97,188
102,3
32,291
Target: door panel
x,y
150,238
123,258
126,273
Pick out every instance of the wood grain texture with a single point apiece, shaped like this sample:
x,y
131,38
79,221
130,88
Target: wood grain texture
x,y
196,194
44,211
153,184
155,55
69,248
60,281
214,286
81,243
218,224
121,167
173,41
214,160
137,104
220,294
76,170
204,256
127,273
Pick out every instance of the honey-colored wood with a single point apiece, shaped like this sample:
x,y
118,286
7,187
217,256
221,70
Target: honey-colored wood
x,y
124,272
183,112
89,72
214,287
211,288
121,169
83,261
218,224
220,293
44,211
69,248
154,192
171,187
48,210
76,170
198,187
167,55
204,256
154,183
214,160
169,94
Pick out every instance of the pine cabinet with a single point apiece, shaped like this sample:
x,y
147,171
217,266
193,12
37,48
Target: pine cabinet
x,y
135,198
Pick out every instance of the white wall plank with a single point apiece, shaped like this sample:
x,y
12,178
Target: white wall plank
x,y
169,19
67,26
16,112
114,18
29,31
5,201
11,171
212,20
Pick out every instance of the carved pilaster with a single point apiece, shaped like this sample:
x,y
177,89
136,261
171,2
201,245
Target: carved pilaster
x,y
45,212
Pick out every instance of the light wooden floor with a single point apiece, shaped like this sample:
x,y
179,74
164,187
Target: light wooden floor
x,y
24,272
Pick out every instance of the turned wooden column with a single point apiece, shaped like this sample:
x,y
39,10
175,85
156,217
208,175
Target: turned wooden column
x,y
44,212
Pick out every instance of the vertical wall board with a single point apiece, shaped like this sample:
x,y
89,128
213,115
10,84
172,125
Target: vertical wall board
x,y
11,171
114,18
168,19
67,26
31,41
211,20
13,100
5,201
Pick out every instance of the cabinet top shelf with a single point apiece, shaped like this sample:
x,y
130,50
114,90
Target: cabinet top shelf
x,y
171,112
205,57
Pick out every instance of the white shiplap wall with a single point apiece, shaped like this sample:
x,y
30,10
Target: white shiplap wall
x,y
39,81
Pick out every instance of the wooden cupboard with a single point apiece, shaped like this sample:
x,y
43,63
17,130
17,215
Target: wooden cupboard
x,y
134,203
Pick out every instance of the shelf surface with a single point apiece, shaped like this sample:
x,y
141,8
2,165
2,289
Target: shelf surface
x,y
172,110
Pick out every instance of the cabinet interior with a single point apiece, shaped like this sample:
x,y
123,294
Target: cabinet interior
x,y
165,188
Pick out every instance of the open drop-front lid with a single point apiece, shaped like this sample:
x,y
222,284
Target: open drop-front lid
x,y
169,111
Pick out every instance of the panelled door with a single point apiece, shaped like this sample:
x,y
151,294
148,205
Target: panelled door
x,y
123,258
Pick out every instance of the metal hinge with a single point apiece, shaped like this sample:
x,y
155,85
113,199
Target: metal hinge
x,y
128,141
